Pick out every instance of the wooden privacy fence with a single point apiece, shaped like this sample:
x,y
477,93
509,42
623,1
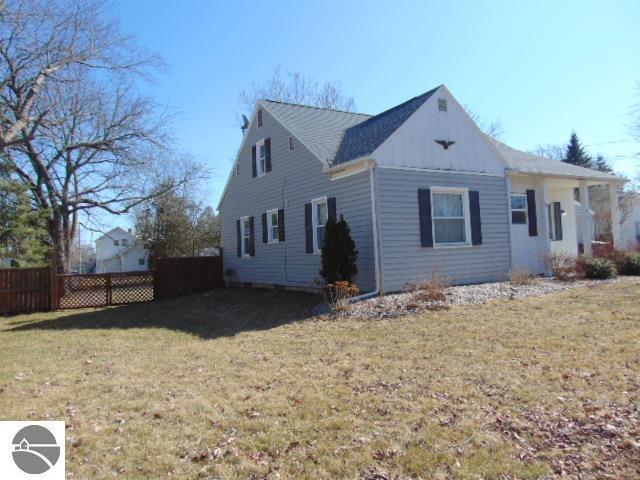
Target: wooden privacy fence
x,y
37,289
25,289
178,276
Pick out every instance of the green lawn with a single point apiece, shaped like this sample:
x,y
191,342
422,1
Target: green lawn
x,y
242,383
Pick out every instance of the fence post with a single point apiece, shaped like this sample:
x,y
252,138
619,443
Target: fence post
x,y
109,298
53,281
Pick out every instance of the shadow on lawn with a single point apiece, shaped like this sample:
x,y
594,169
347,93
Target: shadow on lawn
x,y
209,315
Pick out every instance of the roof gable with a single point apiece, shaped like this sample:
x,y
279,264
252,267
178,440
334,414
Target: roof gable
x,y
362,139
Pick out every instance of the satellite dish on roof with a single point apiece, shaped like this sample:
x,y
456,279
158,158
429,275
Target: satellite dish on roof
x,y
245,123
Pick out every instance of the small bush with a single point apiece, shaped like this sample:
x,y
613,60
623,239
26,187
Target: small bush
x,y
596,267
338,294
562,266
521,276
630,264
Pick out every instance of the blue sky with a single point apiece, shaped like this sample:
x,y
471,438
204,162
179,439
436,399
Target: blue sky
x,y
542,68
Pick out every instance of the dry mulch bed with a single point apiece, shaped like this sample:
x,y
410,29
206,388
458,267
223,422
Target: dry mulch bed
x,y
400,304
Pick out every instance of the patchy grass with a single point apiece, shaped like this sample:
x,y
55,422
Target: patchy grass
x,y
241,383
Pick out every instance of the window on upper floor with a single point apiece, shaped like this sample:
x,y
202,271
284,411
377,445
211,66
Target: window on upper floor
x,y
450,216
261,158
290,143
116,243
518,209
260,118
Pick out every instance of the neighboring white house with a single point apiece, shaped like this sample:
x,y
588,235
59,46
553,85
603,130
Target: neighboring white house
x,y
119,250
630,228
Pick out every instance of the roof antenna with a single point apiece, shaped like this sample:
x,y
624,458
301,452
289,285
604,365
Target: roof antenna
x,y
245,123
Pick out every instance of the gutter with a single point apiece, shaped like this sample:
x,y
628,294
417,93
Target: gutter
x,y
370,165
601,180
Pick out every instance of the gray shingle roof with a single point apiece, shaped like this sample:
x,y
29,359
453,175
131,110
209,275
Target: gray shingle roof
x,y
529,163
364,138
320,129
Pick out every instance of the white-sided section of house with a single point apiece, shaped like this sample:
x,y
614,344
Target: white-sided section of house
x,y
443,119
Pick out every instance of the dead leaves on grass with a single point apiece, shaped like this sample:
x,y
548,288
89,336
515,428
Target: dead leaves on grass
x,y
603,439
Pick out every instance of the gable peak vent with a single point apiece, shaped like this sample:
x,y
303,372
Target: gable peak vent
x,y
442,104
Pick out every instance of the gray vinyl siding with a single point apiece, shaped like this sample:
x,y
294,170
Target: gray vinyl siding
x,y
405,260
296,178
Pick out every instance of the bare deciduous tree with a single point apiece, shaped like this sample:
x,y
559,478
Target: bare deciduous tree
x,y
493,129
554,152
293,87
74,130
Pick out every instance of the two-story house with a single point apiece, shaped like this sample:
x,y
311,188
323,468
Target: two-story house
x,y
420,185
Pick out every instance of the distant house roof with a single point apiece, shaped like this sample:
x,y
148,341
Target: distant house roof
x,y
364,138
113,231
528,163
320,129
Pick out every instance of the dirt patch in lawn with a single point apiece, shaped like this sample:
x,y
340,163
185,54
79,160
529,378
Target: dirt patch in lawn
x,y
245,383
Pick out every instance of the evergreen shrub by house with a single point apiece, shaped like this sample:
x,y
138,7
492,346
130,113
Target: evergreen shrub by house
x,y
339,254
596,267
630,264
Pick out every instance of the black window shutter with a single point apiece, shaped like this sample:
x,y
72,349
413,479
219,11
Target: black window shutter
x,y
424,213
308,227
531,213
265,236
254,167
331,207
267,154
239,238
252,238
557,217
281,225
476,224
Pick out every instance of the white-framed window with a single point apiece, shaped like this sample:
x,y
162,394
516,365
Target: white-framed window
x,y
518,209
450,216
124,242
273,225
320,217
245,235
261,158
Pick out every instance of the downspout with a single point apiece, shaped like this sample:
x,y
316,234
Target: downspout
x,y
374,224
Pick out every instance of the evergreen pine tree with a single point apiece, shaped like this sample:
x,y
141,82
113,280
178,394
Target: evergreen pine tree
x,y
602,165
576,154
339,254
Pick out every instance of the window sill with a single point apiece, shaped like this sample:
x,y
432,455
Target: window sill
x,y
452,245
